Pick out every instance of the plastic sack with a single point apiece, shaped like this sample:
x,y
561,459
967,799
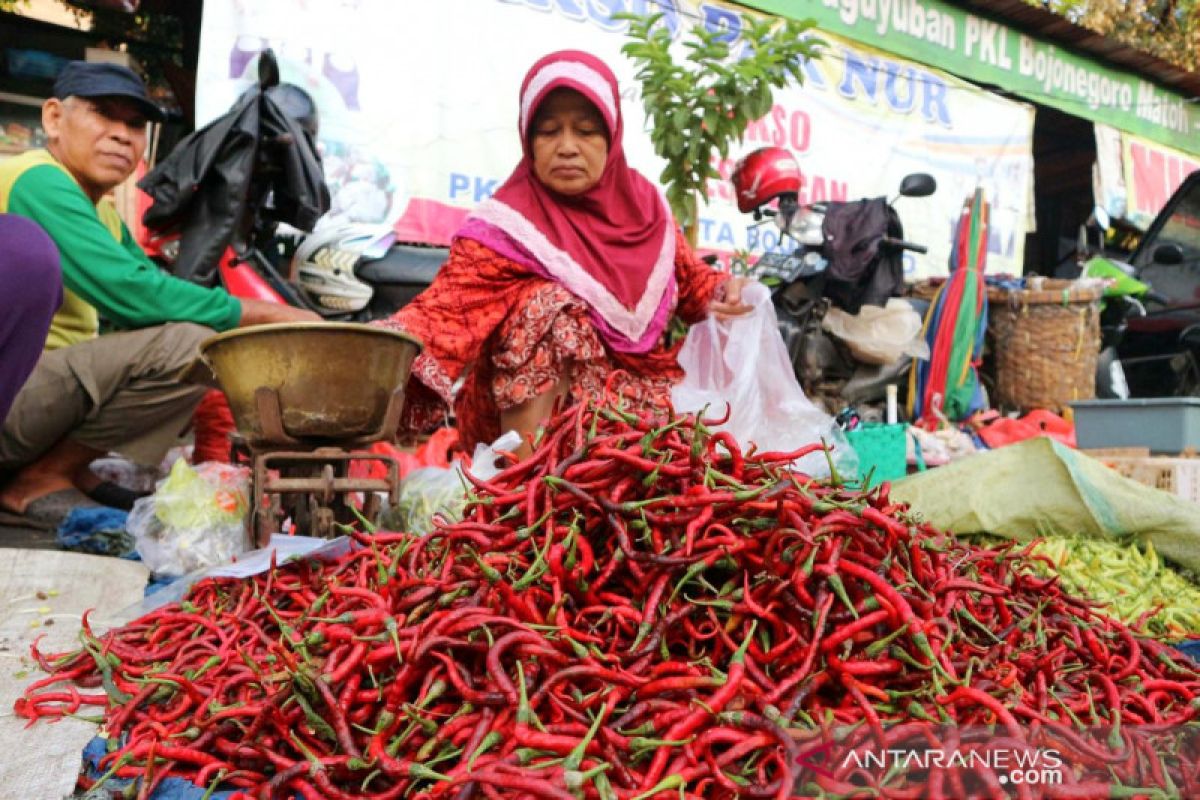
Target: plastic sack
x,y
1039,486
879,335
195,519
742,361
433,493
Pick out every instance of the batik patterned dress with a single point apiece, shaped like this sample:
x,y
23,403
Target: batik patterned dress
x,y
512,335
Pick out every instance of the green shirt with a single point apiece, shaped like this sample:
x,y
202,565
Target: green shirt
x,y
105,273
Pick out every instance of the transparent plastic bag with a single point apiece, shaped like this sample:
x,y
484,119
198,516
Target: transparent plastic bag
x,y
427,493
879,335
742,361
195,518
441,492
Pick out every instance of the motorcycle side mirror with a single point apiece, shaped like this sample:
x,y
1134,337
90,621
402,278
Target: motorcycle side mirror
x,y
918,184
268,69
1168,254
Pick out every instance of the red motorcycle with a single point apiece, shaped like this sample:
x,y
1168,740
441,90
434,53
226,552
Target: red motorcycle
x,y
219,199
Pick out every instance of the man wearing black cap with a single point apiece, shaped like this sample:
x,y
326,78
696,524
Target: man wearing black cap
x,y
89,395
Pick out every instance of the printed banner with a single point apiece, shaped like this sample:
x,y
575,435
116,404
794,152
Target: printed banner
x,y
1108,174
418,106
1134,177
1152,174
938,33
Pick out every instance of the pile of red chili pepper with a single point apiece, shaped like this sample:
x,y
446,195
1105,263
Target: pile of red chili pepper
x,y
638,610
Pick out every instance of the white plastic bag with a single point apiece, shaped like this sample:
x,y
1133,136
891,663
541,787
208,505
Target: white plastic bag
x,y
195,518
879,335
485,461
441,492
742,361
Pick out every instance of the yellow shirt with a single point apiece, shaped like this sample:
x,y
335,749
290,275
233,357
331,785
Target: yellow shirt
x,y
104,270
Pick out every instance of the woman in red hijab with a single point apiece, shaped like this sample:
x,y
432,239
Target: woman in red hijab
x,y
571,271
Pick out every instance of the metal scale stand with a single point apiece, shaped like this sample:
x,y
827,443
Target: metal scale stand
x,y
308,480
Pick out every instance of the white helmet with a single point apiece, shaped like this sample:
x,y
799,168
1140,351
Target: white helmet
x,y
325,263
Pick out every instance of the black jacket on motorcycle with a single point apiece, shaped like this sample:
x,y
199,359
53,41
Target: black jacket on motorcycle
x,y
255,165
861,271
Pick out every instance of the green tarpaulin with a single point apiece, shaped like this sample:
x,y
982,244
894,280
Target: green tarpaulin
x,y
1040,486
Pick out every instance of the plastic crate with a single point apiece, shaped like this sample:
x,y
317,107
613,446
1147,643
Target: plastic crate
x,y
1105,453
882,452
1179,476
1164,424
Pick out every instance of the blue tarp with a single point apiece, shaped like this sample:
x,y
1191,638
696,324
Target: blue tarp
x,y
169,789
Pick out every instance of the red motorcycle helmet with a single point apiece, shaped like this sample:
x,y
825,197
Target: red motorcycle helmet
x,y
764,174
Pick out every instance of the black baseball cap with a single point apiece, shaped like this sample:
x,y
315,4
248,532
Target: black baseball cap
x,y
89,79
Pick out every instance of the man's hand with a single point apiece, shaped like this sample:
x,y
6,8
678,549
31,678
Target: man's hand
x,y
728,300
261,312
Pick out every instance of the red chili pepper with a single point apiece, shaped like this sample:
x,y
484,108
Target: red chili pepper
x,y
632,556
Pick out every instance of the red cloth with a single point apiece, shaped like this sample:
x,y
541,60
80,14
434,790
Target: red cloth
x,y
1039,422
617,231
214,425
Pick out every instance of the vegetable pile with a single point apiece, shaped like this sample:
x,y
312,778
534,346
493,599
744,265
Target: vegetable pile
x,y
1129,579
639,609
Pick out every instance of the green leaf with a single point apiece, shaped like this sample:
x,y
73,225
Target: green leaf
x,y
681,120
698,108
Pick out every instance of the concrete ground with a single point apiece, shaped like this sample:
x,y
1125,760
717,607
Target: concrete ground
x,y
15,532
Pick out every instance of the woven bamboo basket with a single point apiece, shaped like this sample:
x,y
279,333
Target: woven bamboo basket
x,y
1045,340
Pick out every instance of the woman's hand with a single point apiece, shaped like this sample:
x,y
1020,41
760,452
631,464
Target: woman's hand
x,y
727,302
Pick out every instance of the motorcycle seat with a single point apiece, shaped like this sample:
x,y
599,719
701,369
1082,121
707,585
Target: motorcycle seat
x,y
919,305
870,381
404,264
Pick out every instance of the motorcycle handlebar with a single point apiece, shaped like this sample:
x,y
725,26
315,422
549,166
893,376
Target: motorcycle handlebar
x,y
888,241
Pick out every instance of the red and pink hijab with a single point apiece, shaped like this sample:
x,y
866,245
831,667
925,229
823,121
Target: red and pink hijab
x,y
613,246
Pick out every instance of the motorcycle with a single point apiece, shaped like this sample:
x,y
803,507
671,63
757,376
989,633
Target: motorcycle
x,y
1127,303
844,255
237,204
